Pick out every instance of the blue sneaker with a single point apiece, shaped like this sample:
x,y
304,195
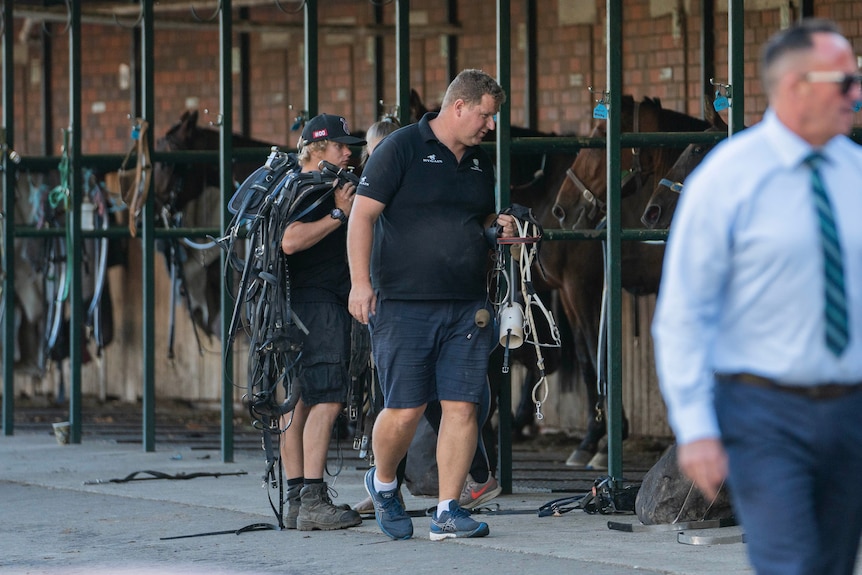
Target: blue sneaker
x,y
390,514
456,523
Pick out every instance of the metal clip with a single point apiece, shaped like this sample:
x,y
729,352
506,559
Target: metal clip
x,y
300,120
600,112
219,119
723,95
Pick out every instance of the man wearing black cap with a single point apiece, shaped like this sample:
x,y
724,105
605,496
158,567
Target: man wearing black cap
x,y
319,285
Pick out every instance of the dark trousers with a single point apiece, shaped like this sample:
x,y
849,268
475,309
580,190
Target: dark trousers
x,y
795,477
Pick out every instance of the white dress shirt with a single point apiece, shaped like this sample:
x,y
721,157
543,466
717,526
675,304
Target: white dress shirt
x,y
742,286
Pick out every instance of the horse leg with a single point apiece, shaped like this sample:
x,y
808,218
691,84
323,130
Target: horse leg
x,y
524,413
596,425
581,310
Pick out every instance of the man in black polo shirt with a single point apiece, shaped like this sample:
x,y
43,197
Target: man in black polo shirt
x,y
418,257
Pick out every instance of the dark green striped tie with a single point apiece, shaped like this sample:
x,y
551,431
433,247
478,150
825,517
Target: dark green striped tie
x,y
837,332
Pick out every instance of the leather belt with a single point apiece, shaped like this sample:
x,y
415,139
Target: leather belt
x,y
816,392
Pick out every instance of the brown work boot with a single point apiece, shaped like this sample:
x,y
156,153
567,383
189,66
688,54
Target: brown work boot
x,y
318,512
292,506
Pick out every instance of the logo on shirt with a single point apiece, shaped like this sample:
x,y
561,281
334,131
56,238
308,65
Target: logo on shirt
x,y
363,181
475,165
432,159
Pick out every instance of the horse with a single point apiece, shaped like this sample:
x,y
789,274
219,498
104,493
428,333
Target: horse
x,y
577,269
661,204
188,195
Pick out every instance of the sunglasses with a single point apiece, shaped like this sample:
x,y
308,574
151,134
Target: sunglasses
x,y
844,81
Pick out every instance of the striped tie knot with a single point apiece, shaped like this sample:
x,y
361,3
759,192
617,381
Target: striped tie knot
x,y
835,305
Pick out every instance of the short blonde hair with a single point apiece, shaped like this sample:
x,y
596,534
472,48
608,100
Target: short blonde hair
x,y
306,150
471,85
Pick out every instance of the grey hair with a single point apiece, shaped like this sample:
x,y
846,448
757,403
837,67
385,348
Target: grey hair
x,y
795,40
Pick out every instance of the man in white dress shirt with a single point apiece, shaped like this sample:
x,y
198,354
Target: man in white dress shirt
x,y
758,391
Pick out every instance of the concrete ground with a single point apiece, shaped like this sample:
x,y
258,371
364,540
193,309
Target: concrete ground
x,y
60,513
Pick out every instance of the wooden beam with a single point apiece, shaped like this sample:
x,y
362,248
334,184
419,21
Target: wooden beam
x,y
128,18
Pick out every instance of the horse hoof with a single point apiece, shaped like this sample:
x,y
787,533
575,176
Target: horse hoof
x,y
599,461
579,458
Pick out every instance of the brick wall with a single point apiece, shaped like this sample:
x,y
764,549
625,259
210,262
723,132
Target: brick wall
x,y
660,59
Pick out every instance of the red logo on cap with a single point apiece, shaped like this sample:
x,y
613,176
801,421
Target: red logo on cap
x,y
320,133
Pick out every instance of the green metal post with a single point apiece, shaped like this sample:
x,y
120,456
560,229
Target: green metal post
x,y
148,239
736,65
75,249
310,64
452,40
504,78
531,56
379,92
226,176
402,59
707,47
8,229
613,273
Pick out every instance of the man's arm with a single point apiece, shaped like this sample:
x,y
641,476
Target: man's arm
x,y
360,235
300,236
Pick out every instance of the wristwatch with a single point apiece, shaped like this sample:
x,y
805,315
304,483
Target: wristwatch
x,y
337,214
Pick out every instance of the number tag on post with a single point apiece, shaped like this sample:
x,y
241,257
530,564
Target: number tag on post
x,y
600,112
720,102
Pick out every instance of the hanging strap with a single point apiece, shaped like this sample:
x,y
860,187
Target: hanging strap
x,y
136,196
524,248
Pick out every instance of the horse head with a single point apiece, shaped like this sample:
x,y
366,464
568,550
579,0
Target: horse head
x,y
662,203
417,106
176,184
582,198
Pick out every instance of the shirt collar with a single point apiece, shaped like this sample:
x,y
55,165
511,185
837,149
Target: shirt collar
x,y
428,134
425,129
789,147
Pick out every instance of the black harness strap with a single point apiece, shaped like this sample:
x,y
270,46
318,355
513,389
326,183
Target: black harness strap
x,y
134,476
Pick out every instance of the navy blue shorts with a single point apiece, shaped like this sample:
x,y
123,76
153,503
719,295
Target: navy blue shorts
x,y
427,350
325,352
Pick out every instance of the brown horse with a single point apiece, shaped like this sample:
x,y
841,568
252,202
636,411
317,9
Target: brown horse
x,y
577,268
662,203
188,195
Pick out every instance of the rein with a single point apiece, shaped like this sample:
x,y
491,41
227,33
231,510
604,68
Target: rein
x,y
136,196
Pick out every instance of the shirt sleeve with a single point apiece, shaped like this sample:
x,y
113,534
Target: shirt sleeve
x,y
697,262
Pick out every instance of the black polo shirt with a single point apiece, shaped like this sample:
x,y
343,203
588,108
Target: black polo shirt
x,y
428,242
320,273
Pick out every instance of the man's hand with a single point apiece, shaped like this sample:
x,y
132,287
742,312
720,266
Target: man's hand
x,y
508,229
344,197
362,303
704,462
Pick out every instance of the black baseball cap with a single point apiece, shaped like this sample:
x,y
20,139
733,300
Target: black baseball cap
x,y
328,127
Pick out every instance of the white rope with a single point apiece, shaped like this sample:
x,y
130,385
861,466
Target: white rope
x,y
526,255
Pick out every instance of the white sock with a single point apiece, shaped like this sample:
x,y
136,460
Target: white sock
x,y
443,506
380,487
